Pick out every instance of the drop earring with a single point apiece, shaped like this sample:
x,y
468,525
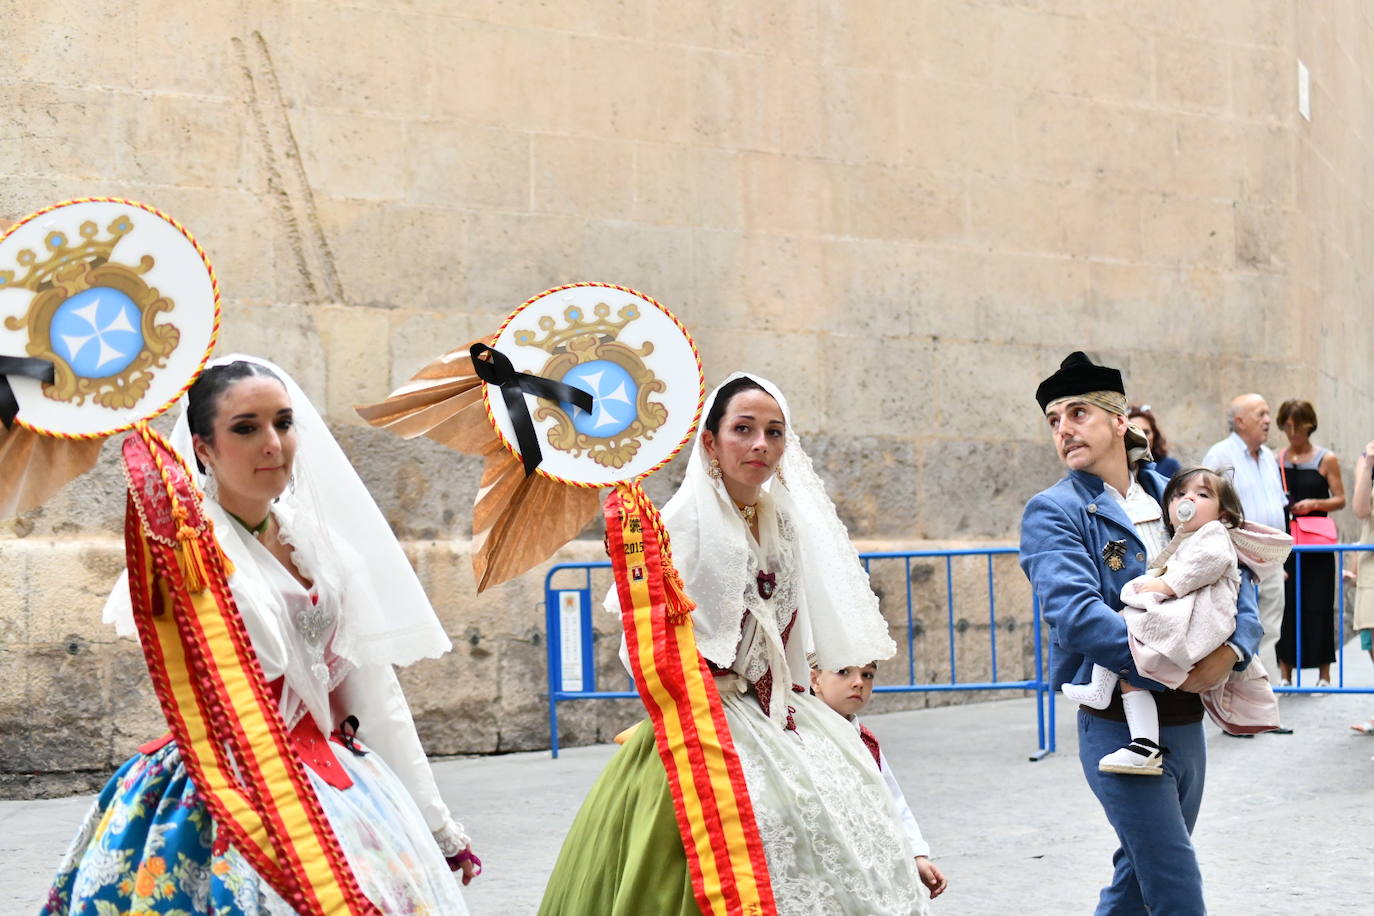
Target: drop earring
x,y
714,471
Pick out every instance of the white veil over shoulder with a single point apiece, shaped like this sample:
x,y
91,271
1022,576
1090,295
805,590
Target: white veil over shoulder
x,y
838,617
341,540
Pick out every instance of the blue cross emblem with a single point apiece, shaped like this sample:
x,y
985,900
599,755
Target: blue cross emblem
x,y
97,332
615,392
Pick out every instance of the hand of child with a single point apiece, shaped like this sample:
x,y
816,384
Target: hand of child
x,y
931,877
1158,586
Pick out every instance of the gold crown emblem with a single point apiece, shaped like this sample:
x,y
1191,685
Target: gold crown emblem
x,y
64,256
601,327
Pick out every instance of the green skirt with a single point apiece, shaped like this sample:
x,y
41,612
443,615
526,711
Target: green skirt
x,y
623,855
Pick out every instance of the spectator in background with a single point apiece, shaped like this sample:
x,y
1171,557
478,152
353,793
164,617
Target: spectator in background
x,y
1311,477
1255,474
1360,504
1146,421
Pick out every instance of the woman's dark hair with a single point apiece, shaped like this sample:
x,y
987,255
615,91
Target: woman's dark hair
x,y
1300,412
202,399
1232,515
728,391
1159,447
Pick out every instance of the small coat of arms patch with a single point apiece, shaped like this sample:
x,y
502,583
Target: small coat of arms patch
x,y
1114,554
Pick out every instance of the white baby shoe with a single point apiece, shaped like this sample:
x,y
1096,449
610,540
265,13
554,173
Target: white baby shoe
x,y
1142,757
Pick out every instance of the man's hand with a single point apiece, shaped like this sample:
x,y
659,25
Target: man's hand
x,y
931,877
1156,585
1211,671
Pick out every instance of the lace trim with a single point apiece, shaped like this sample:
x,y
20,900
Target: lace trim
x,y
452,839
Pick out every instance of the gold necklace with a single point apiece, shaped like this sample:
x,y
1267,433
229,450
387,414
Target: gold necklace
x,y
748,512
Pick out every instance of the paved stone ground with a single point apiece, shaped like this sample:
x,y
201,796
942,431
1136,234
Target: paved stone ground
x,y
1285,827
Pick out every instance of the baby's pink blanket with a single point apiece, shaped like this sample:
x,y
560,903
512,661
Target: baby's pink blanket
x,y
1168,636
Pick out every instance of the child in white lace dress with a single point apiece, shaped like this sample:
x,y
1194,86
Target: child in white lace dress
x,y
1182,609
848,690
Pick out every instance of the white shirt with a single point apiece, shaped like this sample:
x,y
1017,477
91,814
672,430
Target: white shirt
x,y
1144,513
1256,479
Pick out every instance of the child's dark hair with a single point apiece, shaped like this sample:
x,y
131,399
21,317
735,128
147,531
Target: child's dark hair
x,y
1232,515
722,401
202,399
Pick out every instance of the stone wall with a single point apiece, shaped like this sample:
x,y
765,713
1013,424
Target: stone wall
x,y
904,211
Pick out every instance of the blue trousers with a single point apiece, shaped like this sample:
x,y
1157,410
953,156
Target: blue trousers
x,y
1156,870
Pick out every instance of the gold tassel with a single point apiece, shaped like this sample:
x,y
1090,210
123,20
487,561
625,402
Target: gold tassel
x,y
192,566
678,607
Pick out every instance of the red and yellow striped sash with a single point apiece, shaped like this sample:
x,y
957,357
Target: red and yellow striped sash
x,y
714,813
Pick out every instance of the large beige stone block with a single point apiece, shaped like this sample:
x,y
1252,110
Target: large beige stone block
x,y
653,259
597,17
956,126
61,133
629,89
328,56
513,77
176,52
1077,140
874,286
357,341
389,255
515,255
284,334
897,202
879,386
667,179
1178,230
974,402
788,29
183,140
350,155
1047,217
1022,293
757,281
844,113
784,194
51,43
730,103
1264,83
582,175
456,164
1192,75
849,37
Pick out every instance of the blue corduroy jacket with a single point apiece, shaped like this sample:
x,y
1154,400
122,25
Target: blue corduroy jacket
x,y
1064,533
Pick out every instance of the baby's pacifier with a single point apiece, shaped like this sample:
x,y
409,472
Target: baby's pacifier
x,y
1186,510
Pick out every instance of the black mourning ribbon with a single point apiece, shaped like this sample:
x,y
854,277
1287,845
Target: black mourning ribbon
x,y
347,735
30,366
498,370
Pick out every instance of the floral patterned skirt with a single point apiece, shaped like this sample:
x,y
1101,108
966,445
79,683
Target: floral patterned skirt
x,y
148,846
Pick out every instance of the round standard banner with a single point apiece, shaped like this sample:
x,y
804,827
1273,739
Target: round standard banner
x,y
122,303
629,353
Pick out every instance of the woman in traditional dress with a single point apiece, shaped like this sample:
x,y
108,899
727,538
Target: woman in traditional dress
x,y
774,576
311,559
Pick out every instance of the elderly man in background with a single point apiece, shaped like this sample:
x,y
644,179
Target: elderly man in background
x,y
1255,473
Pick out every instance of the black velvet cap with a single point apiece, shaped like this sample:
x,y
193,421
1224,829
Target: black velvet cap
x,y
1078,375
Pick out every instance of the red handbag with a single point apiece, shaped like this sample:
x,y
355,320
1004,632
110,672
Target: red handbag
x,y
1308,529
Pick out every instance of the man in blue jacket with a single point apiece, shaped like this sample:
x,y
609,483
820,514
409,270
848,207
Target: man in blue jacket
x,y
1081,541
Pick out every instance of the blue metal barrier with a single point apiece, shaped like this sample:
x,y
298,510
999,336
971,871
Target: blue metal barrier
x,y
571,648
573,675
1340,550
